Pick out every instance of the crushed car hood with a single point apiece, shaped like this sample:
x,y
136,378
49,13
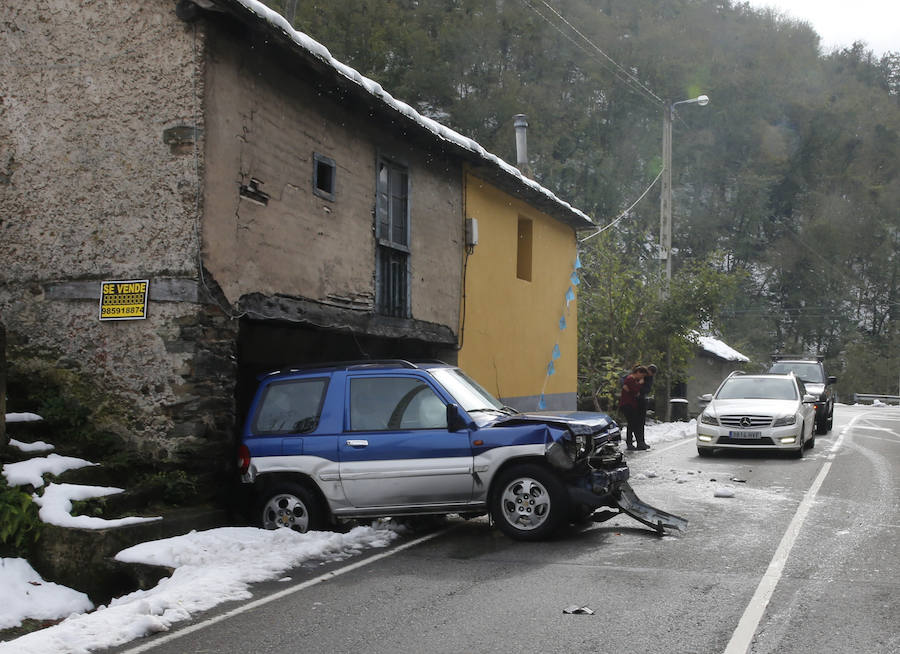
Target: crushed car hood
x,y
577,422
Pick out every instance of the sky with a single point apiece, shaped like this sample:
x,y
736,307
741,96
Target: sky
x,y
211,566
841,22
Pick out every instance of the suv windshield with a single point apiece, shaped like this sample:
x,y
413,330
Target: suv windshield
x,y
466,391
757,388
808,372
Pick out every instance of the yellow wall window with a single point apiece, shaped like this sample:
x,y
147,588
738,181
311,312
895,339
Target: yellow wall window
x,y
523,250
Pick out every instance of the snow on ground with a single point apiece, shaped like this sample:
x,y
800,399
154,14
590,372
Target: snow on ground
x,y
33,470
24,594
665,432
22,417
37,446
56,507
211,567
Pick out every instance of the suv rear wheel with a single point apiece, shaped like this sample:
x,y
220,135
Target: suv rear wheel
x,y
529,502
289,506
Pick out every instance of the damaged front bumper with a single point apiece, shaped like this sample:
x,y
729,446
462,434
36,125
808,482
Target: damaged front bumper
x,y
610,488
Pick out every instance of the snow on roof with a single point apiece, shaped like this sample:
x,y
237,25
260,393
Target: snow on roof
x,y
277,21
717,348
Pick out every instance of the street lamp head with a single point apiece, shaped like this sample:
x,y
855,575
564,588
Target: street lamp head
x,y
702,100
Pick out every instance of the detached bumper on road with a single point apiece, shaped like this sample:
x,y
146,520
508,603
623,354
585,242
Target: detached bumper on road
x,y
610,488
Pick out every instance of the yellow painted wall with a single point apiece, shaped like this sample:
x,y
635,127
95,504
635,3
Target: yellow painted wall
x,y
511,325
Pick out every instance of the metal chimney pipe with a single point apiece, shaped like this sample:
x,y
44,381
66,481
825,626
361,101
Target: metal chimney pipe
x,y
520,122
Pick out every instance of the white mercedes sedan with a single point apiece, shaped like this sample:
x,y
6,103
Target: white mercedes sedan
x,y
758,412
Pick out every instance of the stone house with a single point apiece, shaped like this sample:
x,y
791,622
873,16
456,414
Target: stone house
x,y
267,205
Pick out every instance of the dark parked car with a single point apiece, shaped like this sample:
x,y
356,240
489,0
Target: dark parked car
x,y
811,371
394,438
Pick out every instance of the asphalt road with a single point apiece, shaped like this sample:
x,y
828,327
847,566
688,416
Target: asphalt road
x,y
802,558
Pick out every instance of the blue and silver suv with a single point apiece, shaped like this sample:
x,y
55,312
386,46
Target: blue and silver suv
x,y
394,438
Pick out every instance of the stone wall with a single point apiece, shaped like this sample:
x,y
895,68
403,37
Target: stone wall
x,y
101,164
4,439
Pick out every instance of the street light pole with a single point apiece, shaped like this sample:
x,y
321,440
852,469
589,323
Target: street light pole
x,y
665,223
665,197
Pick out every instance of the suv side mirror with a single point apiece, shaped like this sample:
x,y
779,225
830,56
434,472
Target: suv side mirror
x,y
455,420
832,380
809,399
706,397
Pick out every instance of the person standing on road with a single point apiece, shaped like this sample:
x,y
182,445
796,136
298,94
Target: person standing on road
x,y
644,396
629,405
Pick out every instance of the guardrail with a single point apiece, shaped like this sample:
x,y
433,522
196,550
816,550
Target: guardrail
x,y
869,398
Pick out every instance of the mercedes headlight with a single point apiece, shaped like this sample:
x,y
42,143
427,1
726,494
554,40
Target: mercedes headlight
x,y
708,419
786,420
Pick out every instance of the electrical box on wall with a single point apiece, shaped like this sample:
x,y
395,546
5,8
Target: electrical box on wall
x,y
471,232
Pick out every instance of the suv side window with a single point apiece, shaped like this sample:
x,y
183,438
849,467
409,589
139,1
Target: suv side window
x,y
392,403
292,407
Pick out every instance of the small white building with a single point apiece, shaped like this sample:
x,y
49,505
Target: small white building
x,y
713,362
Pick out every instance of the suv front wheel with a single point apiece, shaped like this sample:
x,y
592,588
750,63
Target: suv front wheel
x,y
824,425
529,502
289,506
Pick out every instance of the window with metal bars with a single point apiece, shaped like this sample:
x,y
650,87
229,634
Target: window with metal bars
x,y
392,269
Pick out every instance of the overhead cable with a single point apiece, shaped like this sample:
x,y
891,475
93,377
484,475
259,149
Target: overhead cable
x,y
624,213
606,56
618,71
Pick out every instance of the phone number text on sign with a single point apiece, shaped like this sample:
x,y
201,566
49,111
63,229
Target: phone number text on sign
x,y
124,300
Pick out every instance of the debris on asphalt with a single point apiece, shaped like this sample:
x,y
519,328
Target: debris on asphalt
x,y
578,610
723,491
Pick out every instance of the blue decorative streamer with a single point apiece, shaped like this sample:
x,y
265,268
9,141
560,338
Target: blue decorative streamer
x,y
556,354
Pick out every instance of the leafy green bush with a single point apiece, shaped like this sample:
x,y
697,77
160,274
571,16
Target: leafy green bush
x,y
20,525
173,487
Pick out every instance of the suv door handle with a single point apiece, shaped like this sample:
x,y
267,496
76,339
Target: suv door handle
x,y
357,443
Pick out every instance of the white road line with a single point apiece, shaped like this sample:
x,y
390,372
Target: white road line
x,y
280,594
742,637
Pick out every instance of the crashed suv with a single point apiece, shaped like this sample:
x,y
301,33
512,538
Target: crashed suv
x,y
811,371
394,438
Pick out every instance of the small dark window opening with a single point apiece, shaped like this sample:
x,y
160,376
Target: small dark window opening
x,y
524,249
324,176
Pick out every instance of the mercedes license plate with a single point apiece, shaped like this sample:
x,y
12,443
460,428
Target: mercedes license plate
x,y
745,434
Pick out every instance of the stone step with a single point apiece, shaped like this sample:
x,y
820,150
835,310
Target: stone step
x,y
83,558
